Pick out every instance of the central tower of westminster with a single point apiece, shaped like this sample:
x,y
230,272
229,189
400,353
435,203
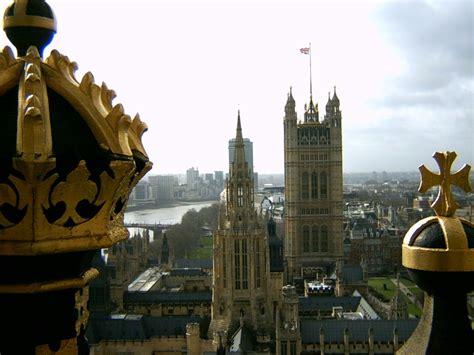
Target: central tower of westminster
x,y
313,188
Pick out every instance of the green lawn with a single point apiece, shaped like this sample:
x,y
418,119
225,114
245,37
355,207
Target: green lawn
x,y
412,287
204,250
407,282
378,284
413,309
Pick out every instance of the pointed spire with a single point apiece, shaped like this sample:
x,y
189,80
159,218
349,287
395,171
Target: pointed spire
x,y
239,128
290,101
329,104
311,114
335,99
239,153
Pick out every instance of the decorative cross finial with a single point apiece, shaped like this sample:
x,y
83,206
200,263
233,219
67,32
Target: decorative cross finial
x,y
444,204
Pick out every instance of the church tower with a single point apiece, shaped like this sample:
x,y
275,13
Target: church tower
x,y
241,258
313,187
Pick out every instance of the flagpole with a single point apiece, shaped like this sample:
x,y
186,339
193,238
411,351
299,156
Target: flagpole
x,y
310,73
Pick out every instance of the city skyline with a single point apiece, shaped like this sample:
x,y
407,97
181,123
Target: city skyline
x,y
403,71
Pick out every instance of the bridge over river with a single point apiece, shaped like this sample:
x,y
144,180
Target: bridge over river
x,y
155,227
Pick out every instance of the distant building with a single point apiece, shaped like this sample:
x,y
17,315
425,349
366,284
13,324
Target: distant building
x,y
248,150
219,177
163,187
142,194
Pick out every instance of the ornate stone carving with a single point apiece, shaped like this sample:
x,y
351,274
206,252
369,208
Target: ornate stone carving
x,y
68,201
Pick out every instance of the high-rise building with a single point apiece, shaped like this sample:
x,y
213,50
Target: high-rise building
x,y
241,285
313,187
248,149
192,178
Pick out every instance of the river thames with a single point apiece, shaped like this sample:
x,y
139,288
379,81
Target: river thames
x,y
164,215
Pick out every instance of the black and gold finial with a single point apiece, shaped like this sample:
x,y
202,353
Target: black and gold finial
x,y
438,251
444,205
29,23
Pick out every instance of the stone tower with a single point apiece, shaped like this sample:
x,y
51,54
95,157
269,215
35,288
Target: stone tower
x,y
313,186
288,335
241,257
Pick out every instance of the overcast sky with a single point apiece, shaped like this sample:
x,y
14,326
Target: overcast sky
x,y
404,72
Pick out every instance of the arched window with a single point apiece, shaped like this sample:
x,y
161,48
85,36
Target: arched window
x,y
324,239
315,239
237,264
323,180
240,195
305,186
305,239
314,185
245,284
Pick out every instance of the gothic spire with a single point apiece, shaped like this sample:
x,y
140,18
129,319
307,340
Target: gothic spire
x,y
335,99
311,114
239,154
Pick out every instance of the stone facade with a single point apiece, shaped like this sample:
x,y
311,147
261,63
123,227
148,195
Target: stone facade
x,y
242,283
313,186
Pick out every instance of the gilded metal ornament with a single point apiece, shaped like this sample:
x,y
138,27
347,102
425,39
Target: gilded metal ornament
x,y
456,256
72,207
444,204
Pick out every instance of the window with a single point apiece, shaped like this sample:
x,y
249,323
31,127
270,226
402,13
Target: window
x,y
237,264
244,265
315,240
324,239
314,185
257,263
240,196
305,239
292,347
324,188
305,186
241,264
283,348
224,265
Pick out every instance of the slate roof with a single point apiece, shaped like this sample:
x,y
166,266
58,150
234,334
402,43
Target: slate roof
x,y
194,263
242,341
326,303
358,330
187,272
352,274
167,297
138,327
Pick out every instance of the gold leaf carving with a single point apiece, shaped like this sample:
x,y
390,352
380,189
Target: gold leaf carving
x,y
32,101
63,65
7,196
86,83
120,123
76,188
33,53
98,104
137,128
107,96
32,112
7,58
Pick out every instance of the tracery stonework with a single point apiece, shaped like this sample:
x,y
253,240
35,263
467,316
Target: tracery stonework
x,y
313,187
241,284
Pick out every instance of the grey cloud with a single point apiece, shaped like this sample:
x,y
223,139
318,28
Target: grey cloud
x,y
435,40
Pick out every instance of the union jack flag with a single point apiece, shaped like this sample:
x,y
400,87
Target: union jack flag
x,y
305,50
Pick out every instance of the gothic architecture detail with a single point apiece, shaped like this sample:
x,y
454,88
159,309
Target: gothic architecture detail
x,y
313,186
241,295
68,160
